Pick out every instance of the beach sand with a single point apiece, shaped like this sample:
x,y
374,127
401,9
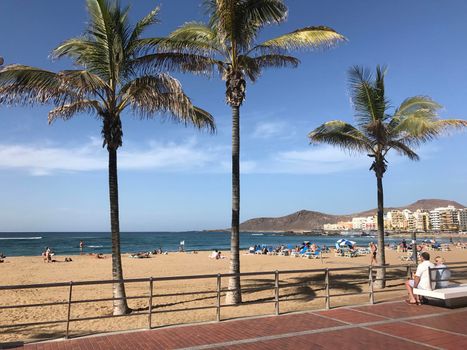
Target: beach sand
x,y
306,293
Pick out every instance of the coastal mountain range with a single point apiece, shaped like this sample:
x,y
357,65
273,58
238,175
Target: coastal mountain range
x,y
306,220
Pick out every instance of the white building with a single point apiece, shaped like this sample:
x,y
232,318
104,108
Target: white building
x,y
444,219
357,223
369,224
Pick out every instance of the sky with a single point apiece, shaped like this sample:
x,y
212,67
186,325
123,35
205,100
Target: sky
x,y
175,178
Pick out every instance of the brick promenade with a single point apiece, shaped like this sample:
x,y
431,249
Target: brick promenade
x,y
392,325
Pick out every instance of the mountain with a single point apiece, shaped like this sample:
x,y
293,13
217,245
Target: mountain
x,y
305,220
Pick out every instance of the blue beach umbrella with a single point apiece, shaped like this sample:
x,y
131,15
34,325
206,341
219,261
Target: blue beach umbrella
x,y
344,243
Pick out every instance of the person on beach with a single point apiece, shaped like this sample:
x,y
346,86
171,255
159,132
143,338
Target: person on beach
x,y
421,279
81,246
373,251
404,245
443,274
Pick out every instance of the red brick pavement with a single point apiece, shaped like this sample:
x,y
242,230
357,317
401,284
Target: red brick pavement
x,y
394,325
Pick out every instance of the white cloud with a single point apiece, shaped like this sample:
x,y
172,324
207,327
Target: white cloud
x,y
187,156
314,160
49,159
269,129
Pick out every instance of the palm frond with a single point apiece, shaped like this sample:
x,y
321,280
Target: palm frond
x,y
29,85
173,61
252,66
193,37
367,97
305,38
67,111
153,94
203,119
140,27
340,134
262,12
415,103
83,82
402,148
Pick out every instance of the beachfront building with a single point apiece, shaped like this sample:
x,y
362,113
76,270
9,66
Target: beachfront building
x,y
369,224
387,222
398,221
435,224
357,223
340,226
421,219
462,215
444,219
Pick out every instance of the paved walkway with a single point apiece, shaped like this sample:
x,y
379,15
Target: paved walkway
x,y
394,324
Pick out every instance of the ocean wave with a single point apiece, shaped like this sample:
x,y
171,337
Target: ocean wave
x,y
257,234
15,238
95,246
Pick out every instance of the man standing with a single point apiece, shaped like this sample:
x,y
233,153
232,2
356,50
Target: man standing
x,y
421,278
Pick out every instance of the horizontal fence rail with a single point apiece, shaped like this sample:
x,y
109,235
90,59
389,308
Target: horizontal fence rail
x,y
329,275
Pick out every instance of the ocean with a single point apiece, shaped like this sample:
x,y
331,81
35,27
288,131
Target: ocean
x,y
67,243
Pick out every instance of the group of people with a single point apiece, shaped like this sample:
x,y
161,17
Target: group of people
x,y
283,250
47,255
216,254
422,280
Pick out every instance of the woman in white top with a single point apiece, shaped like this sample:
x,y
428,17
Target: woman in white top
x,y
421,279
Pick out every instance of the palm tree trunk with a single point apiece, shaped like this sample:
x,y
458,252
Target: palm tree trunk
x,y
234,295
381,273
120,307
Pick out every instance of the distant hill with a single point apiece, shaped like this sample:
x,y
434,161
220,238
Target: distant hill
x,y
305,220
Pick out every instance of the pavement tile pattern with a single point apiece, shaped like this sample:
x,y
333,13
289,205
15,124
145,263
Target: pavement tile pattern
x,y
393,324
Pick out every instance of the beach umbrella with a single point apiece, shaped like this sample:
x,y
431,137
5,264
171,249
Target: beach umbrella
x,y
344,243
339,242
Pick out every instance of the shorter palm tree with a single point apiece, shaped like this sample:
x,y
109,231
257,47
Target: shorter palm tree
x,y
378,131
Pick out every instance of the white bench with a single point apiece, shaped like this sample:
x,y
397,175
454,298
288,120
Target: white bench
x,y
452,296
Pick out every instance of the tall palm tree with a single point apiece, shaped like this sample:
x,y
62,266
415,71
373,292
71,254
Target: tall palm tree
x,y
116,75
228,44
378,131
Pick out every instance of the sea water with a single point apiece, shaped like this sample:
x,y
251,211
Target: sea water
x,y
67,243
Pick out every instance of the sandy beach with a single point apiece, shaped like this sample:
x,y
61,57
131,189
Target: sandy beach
x,y
305,294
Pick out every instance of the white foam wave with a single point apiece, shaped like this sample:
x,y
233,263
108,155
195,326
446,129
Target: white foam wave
x,y
15,238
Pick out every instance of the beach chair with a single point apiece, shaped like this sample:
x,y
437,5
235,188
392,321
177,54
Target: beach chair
x,y
315,255
407,257
350,253
294,254
284,252
303,251
271,251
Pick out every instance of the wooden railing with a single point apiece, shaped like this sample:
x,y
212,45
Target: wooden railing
x,y
276,287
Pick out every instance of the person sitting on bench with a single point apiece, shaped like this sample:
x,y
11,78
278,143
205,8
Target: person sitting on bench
x,y
443,274
421,279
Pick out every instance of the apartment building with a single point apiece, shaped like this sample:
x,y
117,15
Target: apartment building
x,y
462,213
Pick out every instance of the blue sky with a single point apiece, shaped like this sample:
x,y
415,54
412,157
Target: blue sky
x,y
54,178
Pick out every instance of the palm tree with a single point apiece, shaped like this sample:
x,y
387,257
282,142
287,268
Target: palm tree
x,y
228,44
377,131
116,74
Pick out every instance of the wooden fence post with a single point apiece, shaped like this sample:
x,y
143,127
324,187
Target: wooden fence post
x,y
150,303
328,295
218,306
370,276
276,288
69,311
